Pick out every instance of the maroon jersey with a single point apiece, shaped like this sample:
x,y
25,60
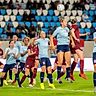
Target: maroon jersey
x,y
1,52
30,61
34,49
77,34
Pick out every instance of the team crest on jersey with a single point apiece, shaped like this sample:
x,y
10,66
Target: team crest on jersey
x,y
27,65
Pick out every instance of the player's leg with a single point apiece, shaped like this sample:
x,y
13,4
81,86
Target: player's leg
x,y
94,73
49,75
81,56
43,69
68,62
10,76
73,65
60,61
27,71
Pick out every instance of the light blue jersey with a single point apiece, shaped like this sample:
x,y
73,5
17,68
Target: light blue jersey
x,y
94,37
18,45
62,35
22,50
10,59
43,47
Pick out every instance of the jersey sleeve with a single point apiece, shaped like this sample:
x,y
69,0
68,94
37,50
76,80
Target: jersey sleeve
x,y
37,42
16,51
55,32
6,50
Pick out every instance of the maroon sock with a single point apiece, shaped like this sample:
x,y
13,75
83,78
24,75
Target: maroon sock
x,y
53,70
81,66
61,74
73,67
34,73
23,79
31,81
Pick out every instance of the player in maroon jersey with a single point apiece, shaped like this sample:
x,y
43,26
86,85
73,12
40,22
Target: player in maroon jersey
x,y
1,56
31,62
76,50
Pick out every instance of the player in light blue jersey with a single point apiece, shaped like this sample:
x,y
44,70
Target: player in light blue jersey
x,y
43,45
11,54
63,50
17,45
94,61
23,53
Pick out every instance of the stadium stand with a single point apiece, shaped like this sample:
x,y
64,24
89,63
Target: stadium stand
x,y
44,11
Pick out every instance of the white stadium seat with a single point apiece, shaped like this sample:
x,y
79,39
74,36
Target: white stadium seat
x,y
1,18
15,24
6,18
25,1
78,18
9,11
63,13
27,11
47,6
41,24
89,24
2,24
68,12
56,12
39,12
15,11
21,11
87,7
79,12
45,12
13,17
67,18
83,24
74,12
72,17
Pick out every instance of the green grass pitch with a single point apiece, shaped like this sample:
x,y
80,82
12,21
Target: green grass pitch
x,y
79,87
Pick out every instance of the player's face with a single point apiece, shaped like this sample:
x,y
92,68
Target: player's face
x,y
43,35
26,41
15,38
64,23
11,44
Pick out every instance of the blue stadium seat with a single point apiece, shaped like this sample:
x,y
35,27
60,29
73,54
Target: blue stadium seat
x,y
57,23
28,24
19,18
51,12
53,24
33,11
78,23
55,18
87,30
95,12
91,18
3,36
86,12
21,23
82,30
1,30
49,18
43,18
37,18
45,30
94,24
34,23
91,13
13,30
23,36
46,24
3,11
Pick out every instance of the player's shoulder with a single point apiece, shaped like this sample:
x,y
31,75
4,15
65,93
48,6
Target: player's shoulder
x,y
58,28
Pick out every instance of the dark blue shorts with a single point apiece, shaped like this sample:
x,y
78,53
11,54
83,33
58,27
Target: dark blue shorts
x,y
94,58
63,48
21,65
8,67
45,62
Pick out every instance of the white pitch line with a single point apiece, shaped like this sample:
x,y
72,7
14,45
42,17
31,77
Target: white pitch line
x,y
70,90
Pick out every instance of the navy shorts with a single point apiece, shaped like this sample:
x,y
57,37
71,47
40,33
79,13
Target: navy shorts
x,y
94,58
8,67
45,62
21,65
63,48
